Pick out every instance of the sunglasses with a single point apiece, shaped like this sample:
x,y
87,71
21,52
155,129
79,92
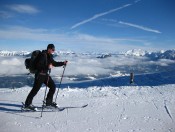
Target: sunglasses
x,y
53,49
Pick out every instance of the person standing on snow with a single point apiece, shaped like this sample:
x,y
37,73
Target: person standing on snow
x,y
43,66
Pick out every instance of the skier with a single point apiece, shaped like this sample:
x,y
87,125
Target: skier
x,y
43,66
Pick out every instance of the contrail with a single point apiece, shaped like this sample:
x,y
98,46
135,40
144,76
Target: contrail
x,y
139,27
99,15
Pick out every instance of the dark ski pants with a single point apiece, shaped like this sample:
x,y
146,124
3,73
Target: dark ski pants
x,y
39,80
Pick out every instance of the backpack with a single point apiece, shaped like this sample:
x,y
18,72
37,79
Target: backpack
x,y
31,63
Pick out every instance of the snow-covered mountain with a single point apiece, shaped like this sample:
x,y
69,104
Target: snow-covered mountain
x,y
13,53
104,55
168,54
27,53
135,52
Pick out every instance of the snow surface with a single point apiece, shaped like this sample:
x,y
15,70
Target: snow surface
x,y
102,82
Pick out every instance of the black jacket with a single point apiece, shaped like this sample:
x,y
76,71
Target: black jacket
x,y
45,60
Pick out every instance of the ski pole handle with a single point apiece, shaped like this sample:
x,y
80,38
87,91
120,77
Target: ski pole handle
x,y
65,63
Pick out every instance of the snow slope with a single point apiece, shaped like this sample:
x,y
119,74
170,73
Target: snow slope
x,y
114,105
122,109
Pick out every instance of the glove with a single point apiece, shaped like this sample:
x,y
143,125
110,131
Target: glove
x,y
65,62
50,66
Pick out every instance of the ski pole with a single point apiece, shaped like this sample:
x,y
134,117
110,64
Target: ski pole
x,y
45,93
60,82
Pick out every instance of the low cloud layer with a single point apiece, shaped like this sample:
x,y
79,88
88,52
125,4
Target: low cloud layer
x,y
12,65
90,65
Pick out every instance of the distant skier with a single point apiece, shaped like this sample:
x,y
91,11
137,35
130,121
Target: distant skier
x,y
43,65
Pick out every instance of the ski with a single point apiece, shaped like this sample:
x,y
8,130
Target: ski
x,y
83,106
49,108
39,109
63,108
53,108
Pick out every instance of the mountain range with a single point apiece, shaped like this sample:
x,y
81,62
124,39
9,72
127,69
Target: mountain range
x,y
163,54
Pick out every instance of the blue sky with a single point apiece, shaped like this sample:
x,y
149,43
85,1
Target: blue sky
x,y
87,25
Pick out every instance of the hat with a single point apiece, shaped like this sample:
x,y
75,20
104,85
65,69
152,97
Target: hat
x,y
50,46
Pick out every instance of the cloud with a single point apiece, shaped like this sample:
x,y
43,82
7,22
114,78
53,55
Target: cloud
x,y
73,40
136,1
89,65
139,27
5,14
22,8
130,24
99,15
13,61
12,65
